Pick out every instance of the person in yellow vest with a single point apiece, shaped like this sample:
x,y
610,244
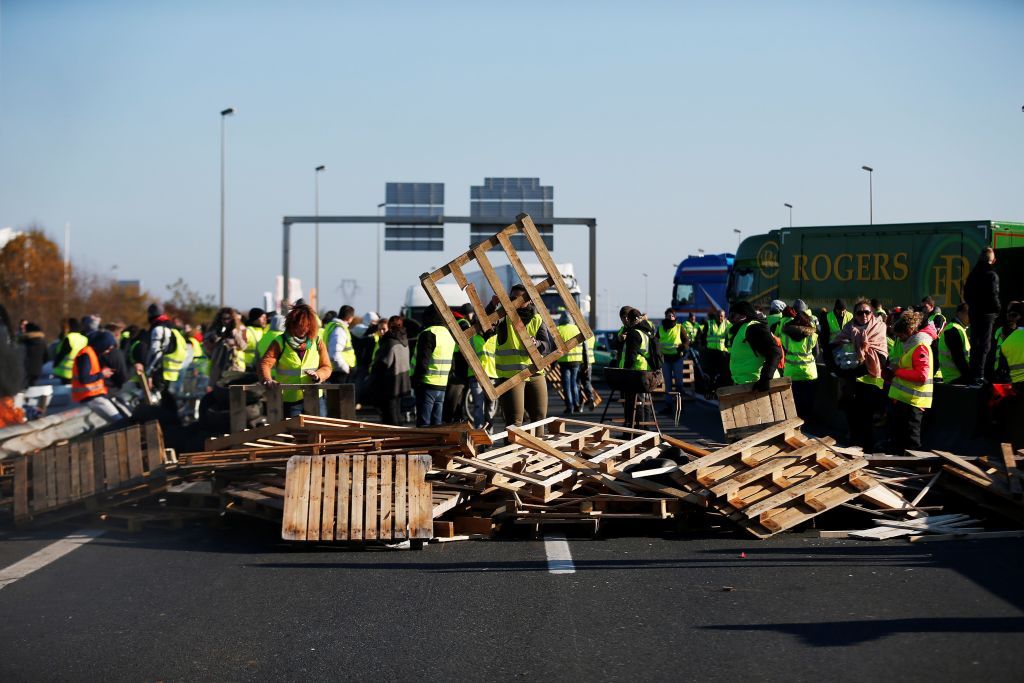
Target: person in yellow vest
x,y
673,341
435,348
1011,351
691,327
389,374
338,335
775,315
955,349
254,330
483,407
715,354
510,355
754,355
879,310
1010,323
863,387
298,356
92,372
910,390
587,392
799,340
639,341
457,389
275,330
167,349
837,319
64,358
569,365
199,358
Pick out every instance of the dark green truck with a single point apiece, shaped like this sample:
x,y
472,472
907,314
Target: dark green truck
x,y
897,263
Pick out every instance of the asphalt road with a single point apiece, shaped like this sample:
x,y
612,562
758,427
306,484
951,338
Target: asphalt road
x,y
235,603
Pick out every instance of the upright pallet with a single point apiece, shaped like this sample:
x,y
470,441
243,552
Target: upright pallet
x,y
745,411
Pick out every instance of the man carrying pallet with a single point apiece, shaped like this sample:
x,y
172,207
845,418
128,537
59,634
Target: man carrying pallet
x,y
754,353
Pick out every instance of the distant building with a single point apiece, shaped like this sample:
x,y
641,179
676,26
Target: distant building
x,y
403,200
502,199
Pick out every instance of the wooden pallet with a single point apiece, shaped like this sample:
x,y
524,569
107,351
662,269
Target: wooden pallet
x,y
340,399
124,461
485,321
357,498
745,411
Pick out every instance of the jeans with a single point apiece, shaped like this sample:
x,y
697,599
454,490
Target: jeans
x,y
429,405
672,371
587,390
483,407
571,385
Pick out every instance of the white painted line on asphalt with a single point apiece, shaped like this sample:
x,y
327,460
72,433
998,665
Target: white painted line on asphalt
x,y
50,553
559,557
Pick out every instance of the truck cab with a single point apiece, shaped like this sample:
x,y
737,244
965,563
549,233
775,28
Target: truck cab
x,y
700,283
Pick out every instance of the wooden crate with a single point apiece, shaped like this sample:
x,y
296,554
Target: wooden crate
x,y
745,411
357,498
486,321
68,473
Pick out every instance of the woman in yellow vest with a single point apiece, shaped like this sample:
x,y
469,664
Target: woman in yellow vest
x,y
298,356
511,358
911,383
569,366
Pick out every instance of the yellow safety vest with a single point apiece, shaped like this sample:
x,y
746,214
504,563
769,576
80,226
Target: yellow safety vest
x,y
348,353
172,362
290,369
511,357
744,363
77,341
1013,351
441,359
265,341
834,325
588,349
484,349
946,365
800,365
691,330
252,339
912,393
575,354
716,334
641,362
669,340
199,359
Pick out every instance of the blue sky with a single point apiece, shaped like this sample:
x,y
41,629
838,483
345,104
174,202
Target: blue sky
x,y
671,123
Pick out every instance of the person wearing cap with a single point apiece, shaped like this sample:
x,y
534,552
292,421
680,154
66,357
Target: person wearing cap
x,y
255,326
911,383
775,315
754,355
673,341
338,335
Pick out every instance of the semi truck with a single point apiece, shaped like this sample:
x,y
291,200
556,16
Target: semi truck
x,y
898,263
699,286
509,277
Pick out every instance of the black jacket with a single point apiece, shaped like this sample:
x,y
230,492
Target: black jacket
x,y
763,343
981,290
35,355
389,374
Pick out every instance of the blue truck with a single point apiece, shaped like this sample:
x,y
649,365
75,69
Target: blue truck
x,y
700,284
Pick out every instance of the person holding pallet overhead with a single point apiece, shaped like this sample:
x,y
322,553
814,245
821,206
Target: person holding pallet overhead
x,y
338,337
435,348
955,349
299,356
529,397
674,341
754,353
569,365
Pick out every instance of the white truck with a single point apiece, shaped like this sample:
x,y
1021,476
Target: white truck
x,y
508,276
417,301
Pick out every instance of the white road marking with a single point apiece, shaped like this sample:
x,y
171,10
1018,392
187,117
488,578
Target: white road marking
x,y
50,553
559,557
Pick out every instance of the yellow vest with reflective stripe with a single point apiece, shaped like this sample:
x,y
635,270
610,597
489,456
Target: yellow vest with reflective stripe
x,y
669,340
800,365
290,369
717,333
172,362
642,355
917,395
348,353
199,359
441,359
77,341
575,354
511,357
834,325
252,338
484,349
1013,351
588,349
946,365
744,363
691,329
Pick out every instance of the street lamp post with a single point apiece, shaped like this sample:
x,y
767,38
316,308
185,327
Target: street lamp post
x,y
223,115
316,241
379,207
790,207
645,293
739,234
871,194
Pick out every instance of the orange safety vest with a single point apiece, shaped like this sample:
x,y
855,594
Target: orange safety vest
x,y
79,391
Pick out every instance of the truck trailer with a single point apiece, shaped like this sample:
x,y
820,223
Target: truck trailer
x,y
897,263
508,277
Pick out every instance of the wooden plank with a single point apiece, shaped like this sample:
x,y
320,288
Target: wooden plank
x,y
50,460
525,223
371,510
736,448
122,454
316,497
819,481
527,281
358,487
789,403
236,407
275,404
62,468
960,462
344,495
21,479
1012,473
401,496
329,501
38,465
387,468
420,503
133,441
87,467
154,447
75,470
296,499
310,401
111,471
778,409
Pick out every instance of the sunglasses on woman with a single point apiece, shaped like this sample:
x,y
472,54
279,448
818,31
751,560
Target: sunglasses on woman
x,y
864,311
